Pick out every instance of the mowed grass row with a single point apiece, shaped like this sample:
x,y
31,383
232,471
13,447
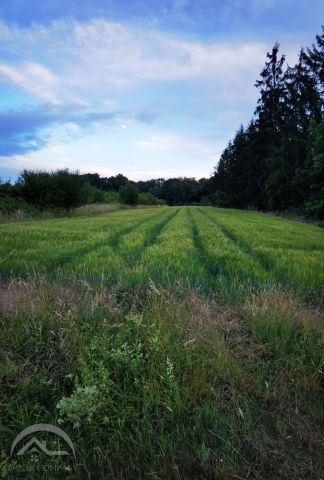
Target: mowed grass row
x,y
230,269
204,248
291,253
45,246
119,258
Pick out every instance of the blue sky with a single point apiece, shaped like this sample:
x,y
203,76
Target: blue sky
x,y
144,88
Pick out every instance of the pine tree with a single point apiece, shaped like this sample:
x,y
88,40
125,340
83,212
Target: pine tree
x,y
270,108
315,170
314,59
277,162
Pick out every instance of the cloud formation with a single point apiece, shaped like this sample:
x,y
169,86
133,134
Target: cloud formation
x,y
76,69
170,141
105,57
32,77
27,130
166,95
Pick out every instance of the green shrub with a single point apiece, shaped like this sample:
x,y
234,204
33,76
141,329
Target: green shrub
x,y
149,199
10,205
58,189
129,194
111,197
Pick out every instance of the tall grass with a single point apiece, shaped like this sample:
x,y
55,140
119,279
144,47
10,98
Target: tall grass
x,y
153,383
210,249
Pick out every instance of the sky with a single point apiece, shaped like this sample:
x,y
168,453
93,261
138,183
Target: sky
x,y
145,88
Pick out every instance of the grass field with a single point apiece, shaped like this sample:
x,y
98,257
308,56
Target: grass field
x,y
169,343
202,248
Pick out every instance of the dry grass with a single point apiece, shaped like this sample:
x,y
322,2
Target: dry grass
x,y
95,208
285,306
224,391
18,296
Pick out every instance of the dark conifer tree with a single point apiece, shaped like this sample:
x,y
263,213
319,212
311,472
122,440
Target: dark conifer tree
x,y
277,162
271,103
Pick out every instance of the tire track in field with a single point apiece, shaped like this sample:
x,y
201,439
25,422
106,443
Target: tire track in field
x,y
265,262
111,241
212,268
132,257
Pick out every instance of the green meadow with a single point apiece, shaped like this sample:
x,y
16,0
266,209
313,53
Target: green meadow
x,y
169,343
199,247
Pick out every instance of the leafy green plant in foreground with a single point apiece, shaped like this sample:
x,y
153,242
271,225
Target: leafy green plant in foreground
x,y
149,382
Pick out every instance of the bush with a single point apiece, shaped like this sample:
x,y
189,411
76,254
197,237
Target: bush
x,y
149,199
111,197
220,199
206,202
59,189
129,194
10,205
93,194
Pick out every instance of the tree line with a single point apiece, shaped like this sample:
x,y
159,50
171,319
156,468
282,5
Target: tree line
x,y
59,190
174,191
62,189
277,161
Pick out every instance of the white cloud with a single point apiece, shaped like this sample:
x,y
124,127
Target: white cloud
x,y
52,158
98,58
165,141
179,4
72,127
59,157
33,78
84,66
